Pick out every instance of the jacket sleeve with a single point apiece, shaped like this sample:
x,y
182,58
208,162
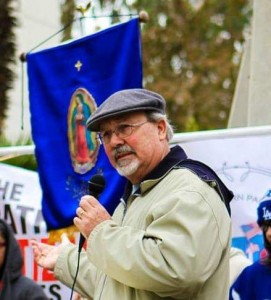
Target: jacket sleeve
x,y
177,251
65,270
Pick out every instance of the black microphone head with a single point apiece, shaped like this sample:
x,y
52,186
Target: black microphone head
x,y
96,185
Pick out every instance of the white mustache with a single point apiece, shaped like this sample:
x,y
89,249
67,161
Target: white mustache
x,y
122,149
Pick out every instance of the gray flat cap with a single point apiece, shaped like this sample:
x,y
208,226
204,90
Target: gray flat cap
x,y
126,101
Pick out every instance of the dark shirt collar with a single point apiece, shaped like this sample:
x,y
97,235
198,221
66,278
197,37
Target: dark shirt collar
x,y
175,155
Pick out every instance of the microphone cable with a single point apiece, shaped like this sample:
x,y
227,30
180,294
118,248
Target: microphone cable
x,y
96,186
76,273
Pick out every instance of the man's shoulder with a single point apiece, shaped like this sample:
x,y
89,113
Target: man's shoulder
x,y
208,175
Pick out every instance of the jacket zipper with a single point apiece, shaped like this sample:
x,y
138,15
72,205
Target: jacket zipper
x,y
124,213
125,209
105,277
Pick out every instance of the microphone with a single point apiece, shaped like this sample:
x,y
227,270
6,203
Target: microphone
x,y
96,185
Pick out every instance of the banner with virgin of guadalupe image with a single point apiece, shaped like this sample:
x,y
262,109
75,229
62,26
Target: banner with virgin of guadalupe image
x,y
66,84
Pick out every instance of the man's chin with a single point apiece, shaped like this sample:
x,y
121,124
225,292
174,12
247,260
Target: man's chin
x,y
125,163
128,169
125,172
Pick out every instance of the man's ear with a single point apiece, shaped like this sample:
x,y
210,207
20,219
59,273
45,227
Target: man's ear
x,y
162,129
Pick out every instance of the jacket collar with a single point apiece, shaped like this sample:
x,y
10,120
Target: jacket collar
x,y
175,155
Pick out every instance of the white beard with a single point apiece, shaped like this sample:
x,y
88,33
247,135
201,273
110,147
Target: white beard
x,y
128,167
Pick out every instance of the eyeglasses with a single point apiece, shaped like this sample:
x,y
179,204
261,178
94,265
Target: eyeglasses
x,y
121,131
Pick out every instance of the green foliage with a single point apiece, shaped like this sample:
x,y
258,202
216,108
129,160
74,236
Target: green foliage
x,y
191,125
190,56
67,16
23,161
7,54
8,23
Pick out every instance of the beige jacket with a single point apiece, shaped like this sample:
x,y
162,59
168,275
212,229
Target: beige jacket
x,y
172,242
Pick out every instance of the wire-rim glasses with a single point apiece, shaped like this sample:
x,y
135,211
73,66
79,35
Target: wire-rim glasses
x,y
121,131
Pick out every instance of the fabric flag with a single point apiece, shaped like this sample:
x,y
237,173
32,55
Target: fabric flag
x,y
66,84
254,238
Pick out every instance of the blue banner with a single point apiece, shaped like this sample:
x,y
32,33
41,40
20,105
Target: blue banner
x,y
66,84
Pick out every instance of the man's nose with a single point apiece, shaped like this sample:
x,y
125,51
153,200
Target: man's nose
x,y
115,139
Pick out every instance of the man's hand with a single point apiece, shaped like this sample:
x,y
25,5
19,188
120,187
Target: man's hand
x,y
46,255
90,213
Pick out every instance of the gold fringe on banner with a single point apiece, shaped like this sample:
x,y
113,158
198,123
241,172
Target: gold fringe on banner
x,y
54,236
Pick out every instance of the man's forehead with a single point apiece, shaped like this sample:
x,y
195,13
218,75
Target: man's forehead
x,y
120,119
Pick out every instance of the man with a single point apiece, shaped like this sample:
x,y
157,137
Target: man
x,y
13,284
254,283
170,236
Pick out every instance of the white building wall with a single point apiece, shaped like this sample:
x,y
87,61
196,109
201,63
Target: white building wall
x,y
38,20
252,99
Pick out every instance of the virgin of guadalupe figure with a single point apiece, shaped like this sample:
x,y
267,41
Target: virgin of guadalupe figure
x,y
80,141
83,145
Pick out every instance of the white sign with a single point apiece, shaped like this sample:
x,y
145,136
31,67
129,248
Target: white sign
x,y
20,206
